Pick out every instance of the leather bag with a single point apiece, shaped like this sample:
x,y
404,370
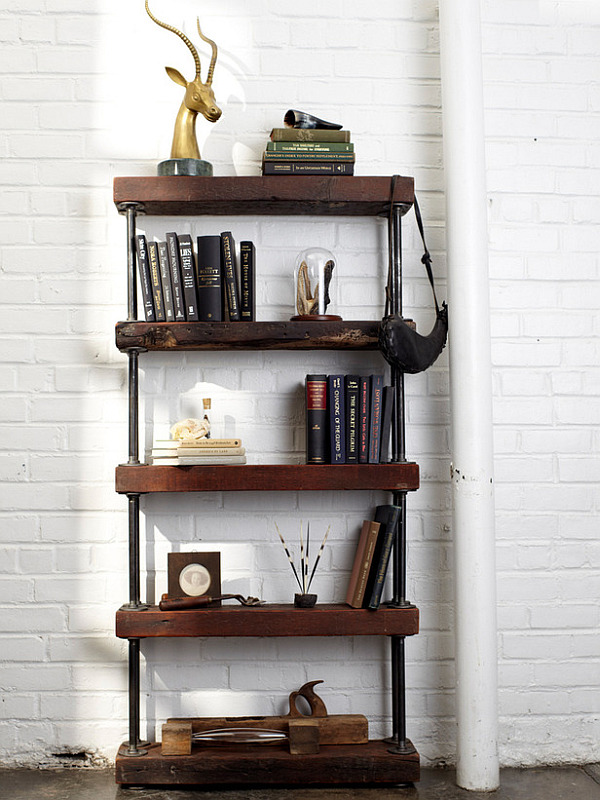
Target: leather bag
x,y
401,345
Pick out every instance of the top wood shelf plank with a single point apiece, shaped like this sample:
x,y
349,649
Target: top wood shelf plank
x,y
263,195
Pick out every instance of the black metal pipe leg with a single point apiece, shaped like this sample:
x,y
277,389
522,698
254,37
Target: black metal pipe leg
x,y
399,556
133,746
400,744
134,603
133,386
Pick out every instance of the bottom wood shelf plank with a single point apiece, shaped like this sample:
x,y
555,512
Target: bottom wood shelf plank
x,y
370,763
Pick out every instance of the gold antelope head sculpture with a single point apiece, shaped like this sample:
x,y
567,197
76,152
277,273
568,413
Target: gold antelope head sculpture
x,y
199,97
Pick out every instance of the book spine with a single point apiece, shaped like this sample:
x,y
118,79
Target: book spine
x,y
316,419
311,155
307,168
209,461
386,423
157,291
165,277
188,275
209,451
176,282
363,560
208,269
337,418
351,389
388,517
203,443
375,425
308,135
141,247
247,281
364,420
310,147
230,283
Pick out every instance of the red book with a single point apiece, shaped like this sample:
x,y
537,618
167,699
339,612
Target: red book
x,y
317,439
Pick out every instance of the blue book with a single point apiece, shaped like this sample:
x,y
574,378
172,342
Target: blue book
x,y
376,417
364,419
352,386
337,421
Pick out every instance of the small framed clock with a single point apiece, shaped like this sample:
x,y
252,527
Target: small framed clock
x,y
194,575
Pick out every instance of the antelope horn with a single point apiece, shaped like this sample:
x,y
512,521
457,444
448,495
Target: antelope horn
x,y
213,60
181,35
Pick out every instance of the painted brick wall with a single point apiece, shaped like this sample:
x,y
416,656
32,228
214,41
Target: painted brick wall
x,y
84,98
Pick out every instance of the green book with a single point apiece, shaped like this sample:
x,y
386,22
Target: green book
x,y
310,147
308,135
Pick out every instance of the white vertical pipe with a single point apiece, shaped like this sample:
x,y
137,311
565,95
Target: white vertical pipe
x,y
470,395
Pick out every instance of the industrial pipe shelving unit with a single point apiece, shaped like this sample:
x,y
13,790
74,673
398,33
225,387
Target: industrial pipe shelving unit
x,y
395,759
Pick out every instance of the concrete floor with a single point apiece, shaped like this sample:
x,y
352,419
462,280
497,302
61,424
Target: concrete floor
x,y
552,783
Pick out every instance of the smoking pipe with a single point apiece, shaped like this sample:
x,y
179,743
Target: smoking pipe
x,y
177,603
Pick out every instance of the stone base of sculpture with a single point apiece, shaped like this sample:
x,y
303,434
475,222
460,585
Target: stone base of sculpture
x,y
185,166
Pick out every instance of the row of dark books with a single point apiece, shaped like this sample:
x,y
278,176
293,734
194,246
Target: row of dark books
x,y
372,558
348,419
207,285
308,151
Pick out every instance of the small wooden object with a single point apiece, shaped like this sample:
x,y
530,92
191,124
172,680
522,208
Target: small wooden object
x,y
303,733
194,575
338,729
176,739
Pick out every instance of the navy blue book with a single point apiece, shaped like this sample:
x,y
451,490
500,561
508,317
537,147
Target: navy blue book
x,y
337,419
376,414
387,517
364,419
352,386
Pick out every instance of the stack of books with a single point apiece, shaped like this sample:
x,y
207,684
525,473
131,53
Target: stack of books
x,y
201,452
308,151
209,284
348,419
372,558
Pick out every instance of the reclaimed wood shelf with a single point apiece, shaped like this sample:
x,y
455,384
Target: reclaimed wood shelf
x,y
269,620
263,195
142,479
331,335
363,764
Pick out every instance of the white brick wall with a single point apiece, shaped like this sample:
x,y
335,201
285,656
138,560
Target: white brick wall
x,y
84,98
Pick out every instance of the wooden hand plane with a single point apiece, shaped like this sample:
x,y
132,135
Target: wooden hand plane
x,y
330,728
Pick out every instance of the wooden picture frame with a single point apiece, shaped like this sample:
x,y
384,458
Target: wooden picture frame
x,y
194,575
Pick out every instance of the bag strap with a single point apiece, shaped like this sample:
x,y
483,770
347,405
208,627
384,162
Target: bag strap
x,y
425,258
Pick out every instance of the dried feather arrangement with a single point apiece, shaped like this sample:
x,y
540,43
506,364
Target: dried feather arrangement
x,y
301,574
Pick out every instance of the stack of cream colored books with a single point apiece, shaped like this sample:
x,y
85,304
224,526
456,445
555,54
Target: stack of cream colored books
x,y
186,453
191,445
